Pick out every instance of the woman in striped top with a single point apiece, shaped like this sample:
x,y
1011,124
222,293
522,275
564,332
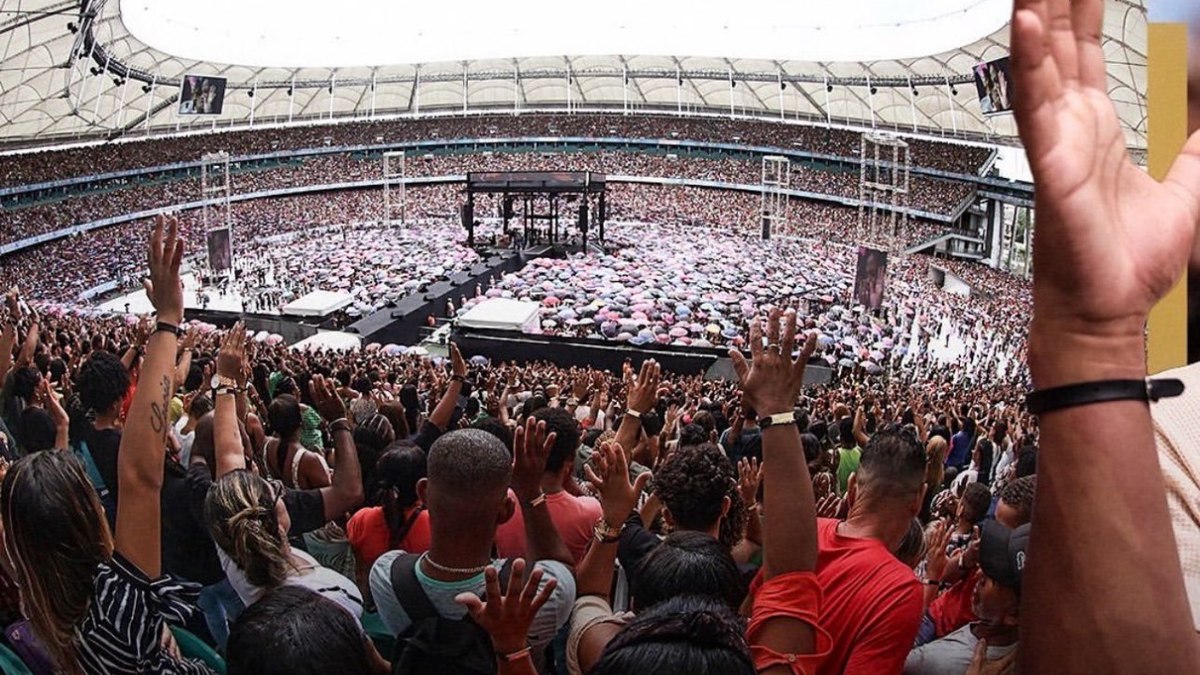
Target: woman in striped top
x,y
96,600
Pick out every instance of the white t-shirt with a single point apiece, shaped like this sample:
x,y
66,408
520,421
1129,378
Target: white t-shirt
x,y
312,576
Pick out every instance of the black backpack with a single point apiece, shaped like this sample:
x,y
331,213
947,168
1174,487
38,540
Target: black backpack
x,y
433,644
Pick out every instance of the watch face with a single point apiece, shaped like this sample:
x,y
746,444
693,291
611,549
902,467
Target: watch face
x,y
215,381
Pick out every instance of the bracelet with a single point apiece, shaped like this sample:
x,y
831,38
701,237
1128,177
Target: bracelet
x,y
634,414
514,656
164,327
340,424
537,501
1103,391
457,378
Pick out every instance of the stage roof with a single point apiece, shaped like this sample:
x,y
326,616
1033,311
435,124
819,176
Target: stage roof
x,y
94,69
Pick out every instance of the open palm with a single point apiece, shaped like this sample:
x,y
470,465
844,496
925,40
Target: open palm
x,y
1111,240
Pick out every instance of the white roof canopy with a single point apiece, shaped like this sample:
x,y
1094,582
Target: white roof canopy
x,y
110,70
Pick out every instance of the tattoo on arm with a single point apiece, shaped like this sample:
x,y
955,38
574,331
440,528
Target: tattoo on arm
x,y
158,409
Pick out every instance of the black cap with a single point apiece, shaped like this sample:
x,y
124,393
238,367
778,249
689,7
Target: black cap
x,y
1002,553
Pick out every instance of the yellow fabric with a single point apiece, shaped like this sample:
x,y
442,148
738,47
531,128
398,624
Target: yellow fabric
x,y
1177,433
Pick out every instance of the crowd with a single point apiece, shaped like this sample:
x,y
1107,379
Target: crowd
x,y
370,493
62,269
929,195
42,166
179,499
675,284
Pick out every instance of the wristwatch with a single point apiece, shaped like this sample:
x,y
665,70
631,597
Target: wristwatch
x,y
218,382
606,533
766,421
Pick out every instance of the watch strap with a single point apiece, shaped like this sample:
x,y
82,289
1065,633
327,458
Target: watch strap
x,y
777,419
1102,391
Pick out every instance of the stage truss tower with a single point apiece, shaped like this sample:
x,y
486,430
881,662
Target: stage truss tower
x,y
216,187
883,190
776,180
394,191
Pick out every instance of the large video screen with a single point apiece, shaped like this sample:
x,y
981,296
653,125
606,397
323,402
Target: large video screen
x,y
993,82
220,250
870,277
201,95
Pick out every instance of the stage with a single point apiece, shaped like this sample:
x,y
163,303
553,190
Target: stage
x,y
138,303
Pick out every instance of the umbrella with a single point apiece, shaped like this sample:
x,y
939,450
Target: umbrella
x,y
872,368
479,360
678,332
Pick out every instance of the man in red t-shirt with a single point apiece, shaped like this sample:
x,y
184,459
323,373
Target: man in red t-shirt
x,y
871,602
574,517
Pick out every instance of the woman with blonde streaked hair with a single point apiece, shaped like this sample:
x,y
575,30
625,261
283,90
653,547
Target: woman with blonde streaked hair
x,y
96,600
246,514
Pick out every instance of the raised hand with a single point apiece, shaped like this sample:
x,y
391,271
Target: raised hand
x,y
507,616
531,451
326,400
936,559
772,381
831,506
1111,240
610,479
458,366
749,476
232,355
643,391
163,287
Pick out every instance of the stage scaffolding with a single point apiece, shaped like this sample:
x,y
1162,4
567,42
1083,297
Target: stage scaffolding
x,y
394,191
216,187
883,190
776,180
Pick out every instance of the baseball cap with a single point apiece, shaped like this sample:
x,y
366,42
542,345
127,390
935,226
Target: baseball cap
x,y
1002,553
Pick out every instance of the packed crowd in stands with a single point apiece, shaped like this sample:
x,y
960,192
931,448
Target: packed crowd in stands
x,y
676,285
48,165
64,268
929,195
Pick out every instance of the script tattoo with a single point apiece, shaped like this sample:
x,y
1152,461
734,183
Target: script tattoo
x,y
158,409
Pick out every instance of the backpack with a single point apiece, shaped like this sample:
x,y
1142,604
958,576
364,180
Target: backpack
x,y
433,644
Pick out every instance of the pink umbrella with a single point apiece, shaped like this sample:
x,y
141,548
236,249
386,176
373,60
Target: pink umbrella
x,y
678,332
550,301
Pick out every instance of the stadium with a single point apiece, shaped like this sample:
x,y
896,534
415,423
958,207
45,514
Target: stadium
x,y
459,216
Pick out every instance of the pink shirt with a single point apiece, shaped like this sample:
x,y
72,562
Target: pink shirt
x,y
574,518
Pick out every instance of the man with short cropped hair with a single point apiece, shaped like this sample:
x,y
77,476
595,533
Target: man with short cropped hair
x,y
871,602
467,494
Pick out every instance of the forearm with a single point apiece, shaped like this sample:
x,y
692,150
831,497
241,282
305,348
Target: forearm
x,y
541,538
790,526
141,456
227,438
595,573
440,417
627,434
1101,460
182,368
346,490
29,346
8,340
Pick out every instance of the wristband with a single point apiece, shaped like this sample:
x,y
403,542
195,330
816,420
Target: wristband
x,y
514,656
340,424
778,419
634,414
1103,391
164,327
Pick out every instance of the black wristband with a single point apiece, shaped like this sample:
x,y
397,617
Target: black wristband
x,y
164,327
1086,393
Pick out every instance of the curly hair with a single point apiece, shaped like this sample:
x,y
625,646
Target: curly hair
x,y
102,381
693,482
976,499
1019,495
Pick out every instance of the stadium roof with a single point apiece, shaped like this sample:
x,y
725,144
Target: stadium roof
x,y
85,69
